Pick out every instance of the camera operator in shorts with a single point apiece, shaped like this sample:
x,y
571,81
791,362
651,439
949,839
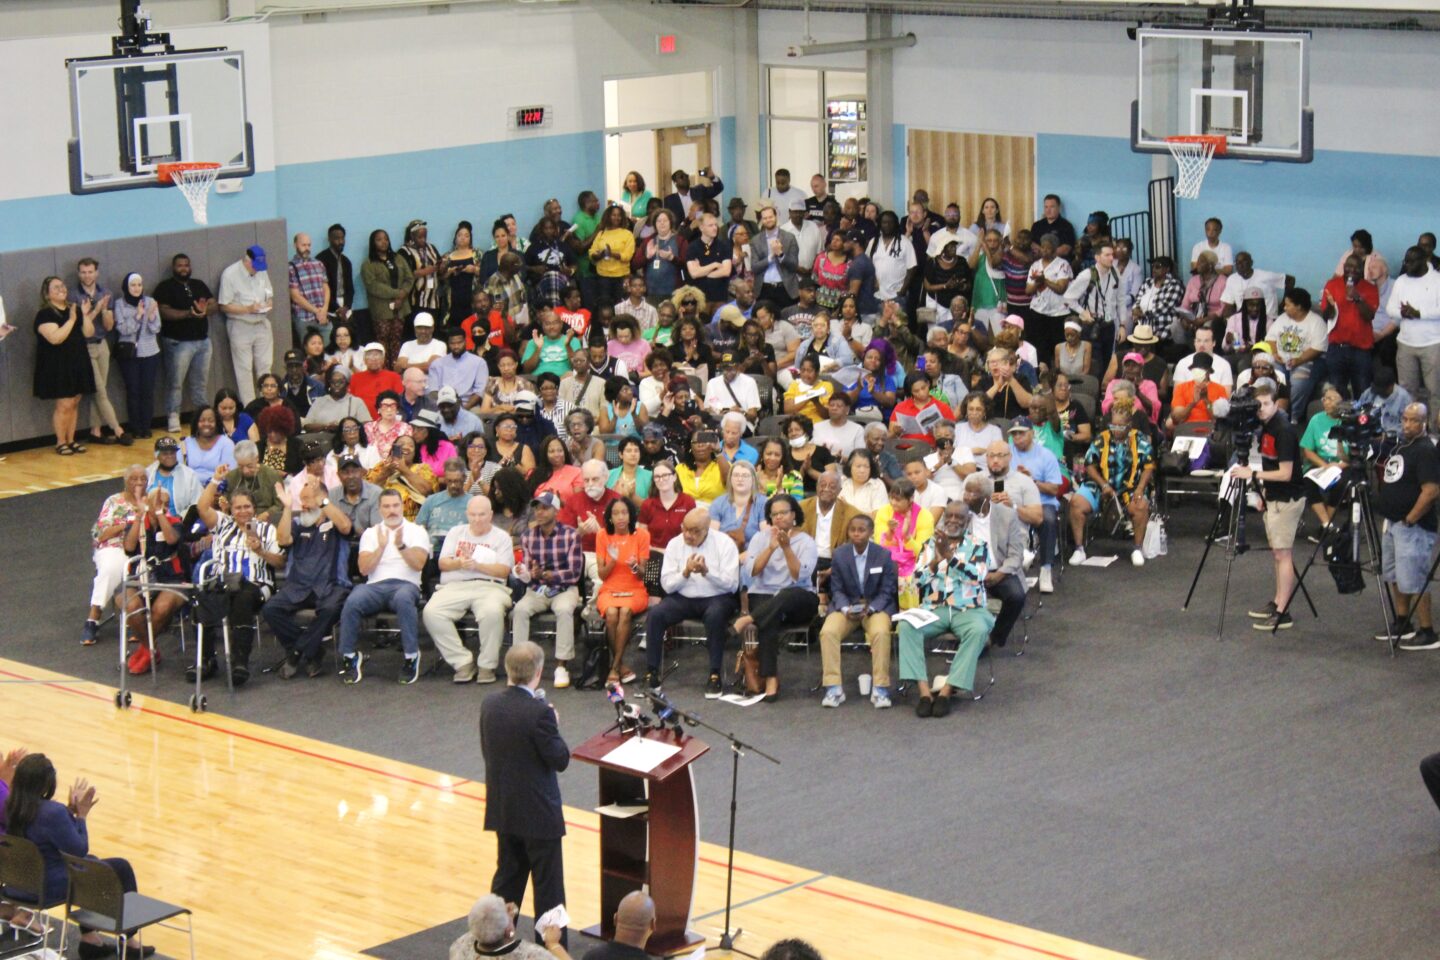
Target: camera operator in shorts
x,y
1405,495
1283,488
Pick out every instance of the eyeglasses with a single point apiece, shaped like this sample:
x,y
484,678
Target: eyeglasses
x,y
387,405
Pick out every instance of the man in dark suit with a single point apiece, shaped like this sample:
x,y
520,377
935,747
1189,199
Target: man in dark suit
x,y
679,202
524,751
774,257
864,592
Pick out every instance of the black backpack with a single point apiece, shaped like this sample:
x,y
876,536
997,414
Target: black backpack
x,y
1344,567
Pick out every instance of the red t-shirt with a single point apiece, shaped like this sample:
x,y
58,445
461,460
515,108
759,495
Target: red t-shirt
x,y
577,506
664,525
498,330
367,386
1350,328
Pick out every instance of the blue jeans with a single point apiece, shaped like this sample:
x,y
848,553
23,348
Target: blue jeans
x,y
1304,380
1049,534
1349,369
182,358
368,599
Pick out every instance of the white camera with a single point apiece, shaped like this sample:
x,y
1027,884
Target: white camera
x,y
792,51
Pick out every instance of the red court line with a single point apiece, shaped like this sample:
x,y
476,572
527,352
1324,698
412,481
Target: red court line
x,y
938,923
326,758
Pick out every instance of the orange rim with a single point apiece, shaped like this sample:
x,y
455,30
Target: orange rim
x,y
1219,143
165,172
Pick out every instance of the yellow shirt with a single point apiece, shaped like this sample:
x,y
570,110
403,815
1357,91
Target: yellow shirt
x,y
924,529
807,409
704,488
622,245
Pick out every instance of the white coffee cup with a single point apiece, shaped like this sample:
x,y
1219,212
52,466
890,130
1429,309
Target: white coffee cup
x,y
864,681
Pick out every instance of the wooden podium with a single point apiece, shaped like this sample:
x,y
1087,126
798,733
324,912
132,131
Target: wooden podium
x,y
658,849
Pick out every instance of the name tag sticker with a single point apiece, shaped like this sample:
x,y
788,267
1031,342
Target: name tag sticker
x,y
877,569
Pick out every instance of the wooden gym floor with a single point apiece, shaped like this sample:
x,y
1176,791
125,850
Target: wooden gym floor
x,y
286,845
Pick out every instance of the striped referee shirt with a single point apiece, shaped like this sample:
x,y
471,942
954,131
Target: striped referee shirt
x,y
233,555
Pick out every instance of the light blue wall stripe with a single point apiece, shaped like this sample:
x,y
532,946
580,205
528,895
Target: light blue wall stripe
x,y
64,218
1295,217
729,170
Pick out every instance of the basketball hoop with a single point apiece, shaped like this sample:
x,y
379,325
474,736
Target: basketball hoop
x,y
194,180
1193,155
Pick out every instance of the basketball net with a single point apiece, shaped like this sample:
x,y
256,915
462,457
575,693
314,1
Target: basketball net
x,y
1193,155
194,181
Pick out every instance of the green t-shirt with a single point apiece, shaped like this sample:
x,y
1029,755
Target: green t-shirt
x,y
1055,443
1317,438
585,225
660,336
986,289
554,355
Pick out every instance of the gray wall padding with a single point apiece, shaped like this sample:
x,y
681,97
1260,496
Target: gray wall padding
x,y
211,250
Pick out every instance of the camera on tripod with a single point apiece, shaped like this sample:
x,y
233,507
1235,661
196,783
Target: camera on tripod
x,y
1242,417
1357,427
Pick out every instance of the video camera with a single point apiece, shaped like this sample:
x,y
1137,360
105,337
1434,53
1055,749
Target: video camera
x,y
1242,417
1357,427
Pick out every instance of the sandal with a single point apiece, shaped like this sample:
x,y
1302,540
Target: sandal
x,y
64,450
77,447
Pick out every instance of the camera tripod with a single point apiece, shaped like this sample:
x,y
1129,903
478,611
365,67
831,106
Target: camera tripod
x,y
1232,521
1355,500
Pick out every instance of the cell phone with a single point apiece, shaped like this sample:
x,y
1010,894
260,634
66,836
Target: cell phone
x,y
1000,485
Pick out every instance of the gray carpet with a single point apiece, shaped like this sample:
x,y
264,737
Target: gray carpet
x,y
1129,782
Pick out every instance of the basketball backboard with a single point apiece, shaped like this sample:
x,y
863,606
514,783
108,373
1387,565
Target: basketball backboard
x,y
130,114
1250,86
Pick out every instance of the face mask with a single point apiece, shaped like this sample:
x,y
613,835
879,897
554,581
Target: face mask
x,y
1198,375
797,442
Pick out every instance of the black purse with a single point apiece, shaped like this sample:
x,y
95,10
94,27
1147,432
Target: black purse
x,y
125,350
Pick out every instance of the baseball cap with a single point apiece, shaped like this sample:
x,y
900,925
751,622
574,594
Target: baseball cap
x,y
1253,293
855,236
1015,320
1133,357
167,443
350,462
428,419
447,395
372,345
546,498
652,431
1263,347
1021,424
732,315
808,283
526,401
293,356
257,256
423,319
797,204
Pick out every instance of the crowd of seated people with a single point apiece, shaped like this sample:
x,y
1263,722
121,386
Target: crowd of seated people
x,y
628,436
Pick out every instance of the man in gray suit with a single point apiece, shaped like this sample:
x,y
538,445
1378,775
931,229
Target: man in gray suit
x,y
997,525
774,257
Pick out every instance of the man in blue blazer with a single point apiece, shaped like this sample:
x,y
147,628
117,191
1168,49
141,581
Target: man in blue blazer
x,y
864,592
524,751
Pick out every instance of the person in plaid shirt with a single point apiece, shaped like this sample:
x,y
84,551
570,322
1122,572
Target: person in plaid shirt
x,y
1158,304
950,576
309,291
552,564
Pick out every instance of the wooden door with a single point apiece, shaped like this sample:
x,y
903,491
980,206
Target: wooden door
x,y
965,168
680,148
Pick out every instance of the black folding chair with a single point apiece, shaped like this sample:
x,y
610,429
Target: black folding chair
x,y
22,873
97,901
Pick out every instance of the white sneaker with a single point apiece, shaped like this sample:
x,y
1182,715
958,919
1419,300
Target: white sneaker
x,y
1047,585
172,424
833,697
562,678
1078,557
881,700
1029,557
1137,557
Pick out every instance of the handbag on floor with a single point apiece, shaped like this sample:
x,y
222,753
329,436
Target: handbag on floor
x,y
747,663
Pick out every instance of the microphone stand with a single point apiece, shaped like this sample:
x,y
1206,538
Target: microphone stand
x,y
738,748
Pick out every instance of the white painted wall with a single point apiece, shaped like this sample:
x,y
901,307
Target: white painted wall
x,y
39,18
36,67
402,77
1371,89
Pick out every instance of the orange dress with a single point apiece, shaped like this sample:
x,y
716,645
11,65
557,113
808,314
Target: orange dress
x,y
623,588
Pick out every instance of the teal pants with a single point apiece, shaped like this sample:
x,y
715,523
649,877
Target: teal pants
x,y
971,626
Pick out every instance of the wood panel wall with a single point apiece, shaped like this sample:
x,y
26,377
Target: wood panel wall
x,y
965,168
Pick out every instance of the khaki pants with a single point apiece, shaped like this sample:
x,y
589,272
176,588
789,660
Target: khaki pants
x,y
488,601
102,410
563,605
836,628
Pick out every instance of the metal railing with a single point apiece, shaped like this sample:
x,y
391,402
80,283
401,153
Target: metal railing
x,y
1151,232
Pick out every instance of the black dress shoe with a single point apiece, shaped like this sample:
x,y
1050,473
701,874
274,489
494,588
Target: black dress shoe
x,y
314,668
95,951
133,952
925,707
941,707
771,697
240,674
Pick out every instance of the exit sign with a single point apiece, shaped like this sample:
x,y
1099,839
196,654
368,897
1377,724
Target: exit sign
x,y
528,118
665,43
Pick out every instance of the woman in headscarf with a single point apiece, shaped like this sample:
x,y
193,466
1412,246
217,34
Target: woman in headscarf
x,y
137,323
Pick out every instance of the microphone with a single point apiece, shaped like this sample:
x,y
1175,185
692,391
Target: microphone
x,y
665,711
627,715
1221,408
